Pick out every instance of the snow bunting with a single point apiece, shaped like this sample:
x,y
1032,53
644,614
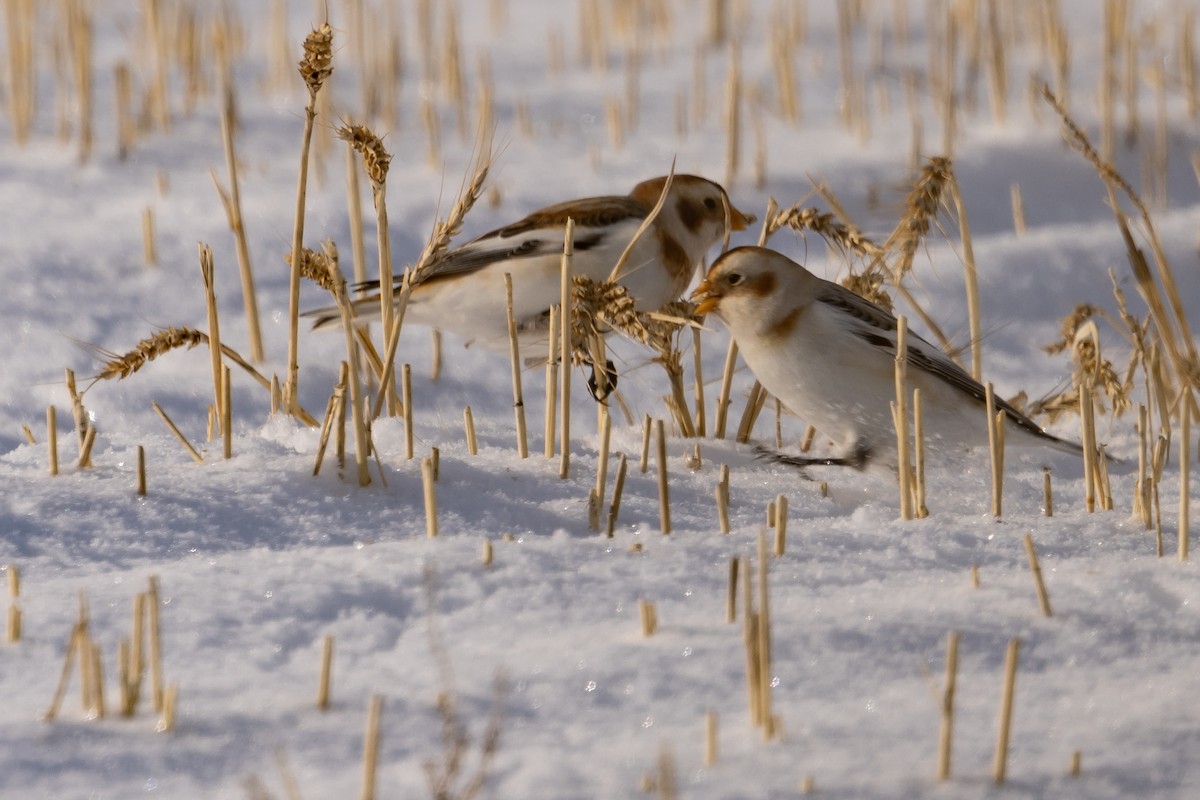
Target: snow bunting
x,y
464,292
829,356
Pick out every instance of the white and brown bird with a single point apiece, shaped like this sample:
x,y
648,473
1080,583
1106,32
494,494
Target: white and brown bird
x,y
829,356
464,293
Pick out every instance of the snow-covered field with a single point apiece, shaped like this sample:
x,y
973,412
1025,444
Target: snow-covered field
x,y
257,560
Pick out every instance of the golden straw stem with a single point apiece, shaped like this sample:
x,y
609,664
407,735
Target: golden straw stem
x,y
469,427
710,738
645,458
922,510
227,411
901,418
52,437
618,487
552,382
156,670
141,471
430,491
781,511
233,208
371,749
994,449
1038,584
214,329
946,733
326,672
701,411
514,352
731,591
605,425
1000,761
566,348
149,250
1185,467
722,496
406,399
1047,493
664,497
726,387
178,434
971,279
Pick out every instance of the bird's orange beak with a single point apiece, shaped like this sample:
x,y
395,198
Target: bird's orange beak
x,y
739,221
707,296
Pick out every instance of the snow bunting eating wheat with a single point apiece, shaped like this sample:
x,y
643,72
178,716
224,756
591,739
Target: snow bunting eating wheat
x,y
829,356
463,293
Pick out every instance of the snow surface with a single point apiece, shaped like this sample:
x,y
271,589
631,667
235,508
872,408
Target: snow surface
x,y
258,560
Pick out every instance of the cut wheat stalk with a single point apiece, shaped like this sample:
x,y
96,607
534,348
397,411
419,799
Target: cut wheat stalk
x,y
1088,437
1185,468
52,438
429,487
469,430
750,640
660,458
614,507
647,429
315,68
232,202
996,449
362,436
1036,570
698,370
1018,209
406,399
920,509
566,347
901,417
733,115
946,732
722,496
732,590
336,398
358,250
552,360
326,672
722,413
79,414
754,403
13,631
647,617
155,641
604,423
227,412
781,515
710,738
970,278
1000,759
766,715
149,248
514,352
170,701
85,452
199,459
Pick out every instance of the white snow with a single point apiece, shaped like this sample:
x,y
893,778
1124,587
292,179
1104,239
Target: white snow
x,y
258,560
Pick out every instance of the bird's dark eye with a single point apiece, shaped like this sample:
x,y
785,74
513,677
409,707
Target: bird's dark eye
x,y
733,278
710,203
